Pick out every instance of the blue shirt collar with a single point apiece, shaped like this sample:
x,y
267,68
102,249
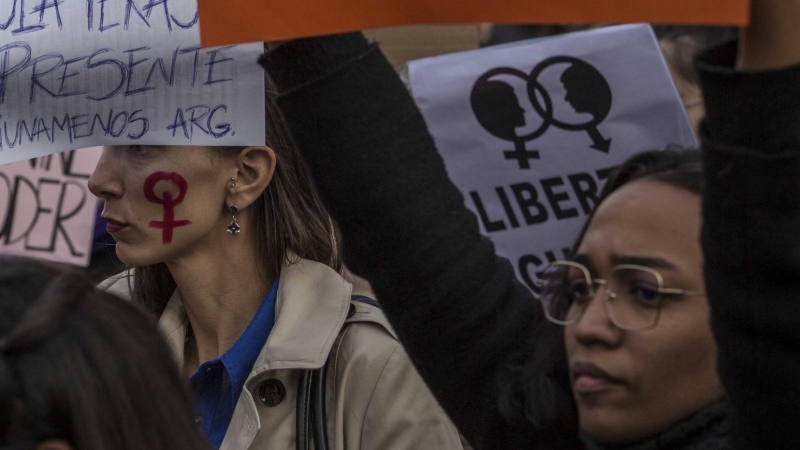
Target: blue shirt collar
x,y
240,358
217,384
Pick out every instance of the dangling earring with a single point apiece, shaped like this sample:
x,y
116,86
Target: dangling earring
x,y
233,182
233,227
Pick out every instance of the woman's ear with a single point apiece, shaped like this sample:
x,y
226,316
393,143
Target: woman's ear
x,y
255,168
53,444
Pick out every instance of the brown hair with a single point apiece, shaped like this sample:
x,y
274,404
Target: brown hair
x,y
79,365
296,224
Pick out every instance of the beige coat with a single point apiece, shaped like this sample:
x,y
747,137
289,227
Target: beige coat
x,y
375,399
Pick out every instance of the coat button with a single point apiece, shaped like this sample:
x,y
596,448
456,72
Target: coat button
x,y
272,392
352,311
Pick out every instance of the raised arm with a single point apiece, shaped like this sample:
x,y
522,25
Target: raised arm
x,y
455,305
751,231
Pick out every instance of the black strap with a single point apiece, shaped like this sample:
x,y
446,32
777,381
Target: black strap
x,y
363,299
303,410
318,413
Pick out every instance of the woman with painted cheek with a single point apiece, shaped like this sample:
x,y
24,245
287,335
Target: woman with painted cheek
x,y
232,249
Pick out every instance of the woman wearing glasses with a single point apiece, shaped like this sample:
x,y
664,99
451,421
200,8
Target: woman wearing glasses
x,y
634,329
627,358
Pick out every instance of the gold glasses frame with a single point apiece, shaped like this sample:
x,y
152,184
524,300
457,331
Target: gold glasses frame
x,y
610,296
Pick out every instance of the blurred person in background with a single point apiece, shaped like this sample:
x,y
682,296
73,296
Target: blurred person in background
x,y
83,370
680,46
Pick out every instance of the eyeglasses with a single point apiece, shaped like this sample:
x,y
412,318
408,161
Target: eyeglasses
x,y
633,294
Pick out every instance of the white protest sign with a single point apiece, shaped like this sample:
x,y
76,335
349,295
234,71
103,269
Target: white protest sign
x,y
46,209
80,73
530,131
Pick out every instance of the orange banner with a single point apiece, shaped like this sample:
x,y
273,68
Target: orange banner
x,y
224,22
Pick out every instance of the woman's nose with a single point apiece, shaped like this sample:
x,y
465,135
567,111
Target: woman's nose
x,y
105,182
595,326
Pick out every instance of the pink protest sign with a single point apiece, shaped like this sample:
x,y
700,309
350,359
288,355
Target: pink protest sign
x,y
46,209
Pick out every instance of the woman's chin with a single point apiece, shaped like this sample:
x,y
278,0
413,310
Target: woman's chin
x,y
134,256
608,427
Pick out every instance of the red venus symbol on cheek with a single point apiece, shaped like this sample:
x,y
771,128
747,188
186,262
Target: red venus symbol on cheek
x,y
169,223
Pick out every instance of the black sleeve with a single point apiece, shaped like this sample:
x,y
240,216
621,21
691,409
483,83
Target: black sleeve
x,y
456,306
751,240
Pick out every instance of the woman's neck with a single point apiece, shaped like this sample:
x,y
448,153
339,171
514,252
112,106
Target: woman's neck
x,y
221,290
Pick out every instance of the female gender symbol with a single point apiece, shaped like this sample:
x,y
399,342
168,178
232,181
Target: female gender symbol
x,y
497,109
169,223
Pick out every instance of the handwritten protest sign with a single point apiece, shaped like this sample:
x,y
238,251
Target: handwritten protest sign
x,y
78,73
46,209
530,131
233,21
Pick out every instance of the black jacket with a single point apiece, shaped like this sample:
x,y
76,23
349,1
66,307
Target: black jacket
x,y
406,229
751,240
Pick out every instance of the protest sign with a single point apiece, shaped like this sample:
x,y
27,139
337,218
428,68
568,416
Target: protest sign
x,y
79,73
233,21
46,209
530,131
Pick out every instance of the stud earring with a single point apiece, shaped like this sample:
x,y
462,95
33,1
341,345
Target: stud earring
x,y
233,182
233,228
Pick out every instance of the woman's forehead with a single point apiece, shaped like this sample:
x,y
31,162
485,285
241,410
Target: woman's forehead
x,y
645,222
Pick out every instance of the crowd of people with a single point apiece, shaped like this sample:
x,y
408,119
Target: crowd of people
x,y
672,326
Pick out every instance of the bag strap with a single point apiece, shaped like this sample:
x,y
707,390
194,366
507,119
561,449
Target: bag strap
x,y
311,413
303,410
367,300
318,414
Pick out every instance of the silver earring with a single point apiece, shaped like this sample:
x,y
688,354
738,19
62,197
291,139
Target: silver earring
x,y
233,182
233,228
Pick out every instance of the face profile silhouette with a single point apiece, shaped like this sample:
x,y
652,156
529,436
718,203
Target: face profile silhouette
x,y
497,108
587,90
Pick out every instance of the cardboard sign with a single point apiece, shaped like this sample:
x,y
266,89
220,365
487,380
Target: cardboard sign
x,y
233,21
46,209
79,73
530,131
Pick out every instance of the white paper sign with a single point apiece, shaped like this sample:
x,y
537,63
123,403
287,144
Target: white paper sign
x,y
530,131
46,209
79,73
